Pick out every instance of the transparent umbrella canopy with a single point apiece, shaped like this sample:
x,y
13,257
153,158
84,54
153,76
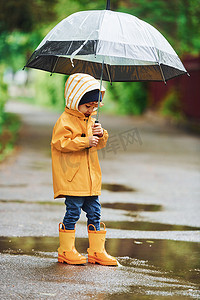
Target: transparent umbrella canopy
x,y
108,45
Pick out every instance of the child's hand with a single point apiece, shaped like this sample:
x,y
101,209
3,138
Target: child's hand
x,y
93,141
97,130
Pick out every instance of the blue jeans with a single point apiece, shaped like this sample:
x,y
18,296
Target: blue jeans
x,y
89,204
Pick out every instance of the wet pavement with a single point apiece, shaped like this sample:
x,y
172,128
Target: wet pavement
x,y
150,204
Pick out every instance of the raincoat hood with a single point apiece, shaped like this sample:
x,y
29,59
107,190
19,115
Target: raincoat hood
x,y
77,85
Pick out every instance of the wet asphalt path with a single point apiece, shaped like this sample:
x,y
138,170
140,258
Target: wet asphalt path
x,y
150,204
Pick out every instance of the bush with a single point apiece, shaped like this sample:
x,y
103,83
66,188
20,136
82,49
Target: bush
x,y
3,98
131,97
171,105
9,134
50,90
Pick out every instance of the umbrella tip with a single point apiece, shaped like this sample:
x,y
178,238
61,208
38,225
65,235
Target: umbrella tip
x,y
23,68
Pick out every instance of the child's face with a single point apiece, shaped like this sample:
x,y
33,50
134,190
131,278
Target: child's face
x,y
88,108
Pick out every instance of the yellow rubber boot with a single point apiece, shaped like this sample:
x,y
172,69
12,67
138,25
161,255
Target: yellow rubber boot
x,y
96,250
67,252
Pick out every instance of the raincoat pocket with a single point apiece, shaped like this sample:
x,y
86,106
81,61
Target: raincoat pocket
x,y
72,173
70,164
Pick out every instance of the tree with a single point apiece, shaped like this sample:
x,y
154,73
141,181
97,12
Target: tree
x,y
24,15
177,20
20,22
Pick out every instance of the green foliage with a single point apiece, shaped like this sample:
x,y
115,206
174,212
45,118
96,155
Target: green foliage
x,y
16,48
171,105
25,15
50,90
9,134
177,20
3,98
131,97
21,29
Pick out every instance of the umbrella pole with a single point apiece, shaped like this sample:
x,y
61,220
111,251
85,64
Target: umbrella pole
x,y
97,116
108,5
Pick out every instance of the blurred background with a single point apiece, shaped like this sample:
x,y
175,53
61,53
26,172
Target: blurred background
x,y
151,179
23,24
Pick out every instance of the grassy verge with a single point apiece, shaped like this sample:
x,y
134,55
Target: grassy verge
x,y
8,134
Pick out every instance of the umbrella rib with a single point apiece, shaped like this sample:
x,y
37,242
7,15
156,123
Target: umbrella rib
x,y
54,66
109,76
162,74
28,60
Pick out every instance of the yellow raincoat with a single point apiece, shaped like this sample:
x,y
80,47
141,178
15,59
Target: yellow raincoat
x,y
75,166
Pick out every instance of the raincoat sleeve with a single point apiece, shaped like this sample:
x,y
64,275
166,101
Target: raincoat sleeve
x,y
102,140
63,140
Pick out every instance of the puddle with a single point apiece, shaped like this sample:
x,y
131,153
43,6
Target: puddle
x,y
39,166
117,188
133,206
13,185
43,166
135,296
37,246
123,206
177,258
32,202
147,226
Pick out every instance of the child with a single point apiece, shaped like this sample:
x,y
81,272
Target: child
x,y
76,170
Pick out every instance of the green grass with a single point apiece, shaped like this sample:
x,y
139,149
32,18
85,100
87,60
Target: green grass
x,y
9,131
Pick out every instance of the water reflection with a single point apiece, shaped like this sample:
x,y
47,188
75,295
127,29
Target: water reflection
x,y
178,258
147,226
133,206
117,187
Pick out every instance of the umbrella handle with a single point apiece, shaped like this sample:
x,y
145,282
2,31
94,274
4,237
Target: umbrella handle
x,y
96,121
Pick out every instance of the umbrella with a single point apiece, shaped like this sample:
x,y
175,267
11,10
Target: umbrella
x,y
108,45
